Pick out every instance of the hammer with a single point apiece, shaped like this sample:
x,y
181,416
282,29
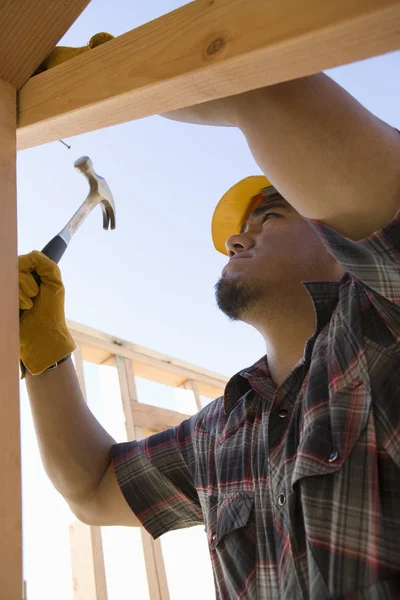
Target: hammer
x,y
99,193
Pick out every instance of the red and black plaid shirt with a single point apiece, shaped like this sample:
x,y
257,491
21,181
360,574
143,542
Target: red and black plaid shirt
x,y
298,487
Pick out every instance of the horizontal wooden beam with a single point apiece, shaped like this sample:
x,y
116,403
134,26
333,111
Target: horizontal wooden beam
x,y
29,30
154,418
205,50
100,348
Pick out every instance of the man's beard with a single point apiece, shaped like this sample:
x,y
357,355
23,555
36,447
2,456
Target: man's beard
x,y
236,298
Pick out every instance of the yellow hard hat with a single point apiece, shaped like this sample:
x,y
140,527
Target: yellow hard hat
x,y
235,207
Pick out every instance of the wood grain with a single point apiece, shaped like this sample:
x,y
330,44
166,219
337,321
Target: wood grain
x,y
100,348
89,580
29,30
155,569
194,388
155,418
10,456
205,50
78,363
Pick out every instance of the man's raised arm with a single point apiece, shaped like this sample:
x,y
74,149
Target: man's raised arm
x,y
327,155
74,447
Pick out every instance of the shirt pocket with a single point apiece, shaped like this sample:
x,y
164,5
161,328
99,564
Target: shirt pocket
x,y
228,514
330,437
230,527
337,498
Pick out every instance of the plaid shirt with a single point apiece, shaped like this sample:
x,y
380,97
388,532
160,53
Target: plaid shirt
x,y
298,487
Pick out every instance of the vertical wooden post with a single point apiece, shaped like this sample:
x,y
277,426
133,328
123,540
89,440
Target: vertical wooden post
x,y
87,555
87,562
156,576
11,585
191,384
78,362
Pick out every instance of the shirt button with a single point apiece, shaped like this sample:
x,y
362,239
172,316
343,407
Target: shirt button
x,y
281,499
333,456
283,413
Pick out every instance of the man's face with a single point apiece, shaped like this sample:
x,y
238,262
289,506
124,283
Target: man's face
x,y
268,259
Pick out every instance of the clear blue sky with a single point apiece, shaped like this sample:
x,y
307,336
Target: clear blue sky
x,y
151,280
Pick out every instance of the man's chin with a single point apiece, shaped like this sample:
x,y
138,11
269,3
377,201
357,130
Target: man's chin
x,y
234,297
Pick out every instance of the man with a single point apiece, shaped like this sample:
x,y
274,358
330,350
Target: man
x,y
296,470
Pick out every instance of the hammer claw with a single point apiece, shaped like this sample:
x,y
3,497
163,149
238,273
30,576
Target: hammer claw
x,y
99,193
108,216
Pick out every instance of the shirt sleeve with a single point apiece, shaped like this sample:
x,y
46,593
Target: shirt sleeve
x,y
375,260
155,478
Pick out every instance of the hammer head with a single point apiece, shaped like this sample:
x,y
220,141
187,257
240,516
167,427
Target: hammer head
x,y
99,192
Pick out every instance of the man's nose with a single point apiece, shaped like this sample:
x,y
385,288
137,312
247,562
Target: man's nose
x,y
239,242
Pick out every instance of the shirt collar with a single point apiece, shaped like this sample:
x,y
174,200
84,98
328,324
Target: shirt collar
x,y
325,295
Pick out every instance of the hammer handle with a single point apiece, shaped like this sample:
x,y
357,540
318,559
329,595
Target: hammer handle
x,y
53,250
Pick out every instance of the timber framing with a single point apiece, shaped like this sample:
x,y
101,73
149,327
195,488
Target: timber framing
x,y
141,420
205,50
10,446
29,30
100,348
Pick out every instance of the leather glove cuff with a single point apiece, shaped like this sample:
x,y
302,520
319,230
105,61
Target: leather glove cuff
x,y
46,346
23,368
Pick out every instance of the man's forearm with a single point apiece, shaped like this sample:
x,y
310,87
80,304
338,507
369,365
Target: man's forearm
x,y
220,112
327,155
74,447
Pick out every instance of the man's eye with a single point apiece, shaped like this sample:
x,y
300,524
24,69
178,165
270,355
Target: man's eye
x,y
268,215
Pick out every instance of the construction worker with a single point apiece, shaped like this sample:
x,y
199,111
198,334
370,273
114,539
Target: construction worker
x,y
295,471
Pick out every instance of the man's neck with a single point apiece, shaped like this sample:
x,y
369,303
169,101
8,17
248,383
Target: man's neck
x,y
286,335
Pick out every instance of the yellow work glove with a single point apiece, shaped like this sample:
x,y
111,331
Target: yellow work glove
x,y
61,54
44,335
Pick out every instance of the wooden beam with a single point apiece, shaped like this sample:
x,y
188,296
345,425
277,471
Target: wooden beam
x,y
128,395
116,345
149,368
155,569
78,363
205,50
155,418
29,30
100,348
193,387
10,456
87,562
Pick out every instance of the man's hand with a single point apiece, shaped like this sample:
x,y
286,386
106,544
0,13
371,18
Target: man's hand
x,y
44,335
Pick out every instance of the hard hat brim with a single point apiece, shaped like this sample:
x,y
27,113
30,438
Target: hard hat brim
x,y
233,209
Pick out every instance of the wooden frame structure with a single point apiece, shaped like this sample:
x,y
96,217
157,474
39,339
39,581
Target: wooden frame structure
x,y
140,420
207,49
